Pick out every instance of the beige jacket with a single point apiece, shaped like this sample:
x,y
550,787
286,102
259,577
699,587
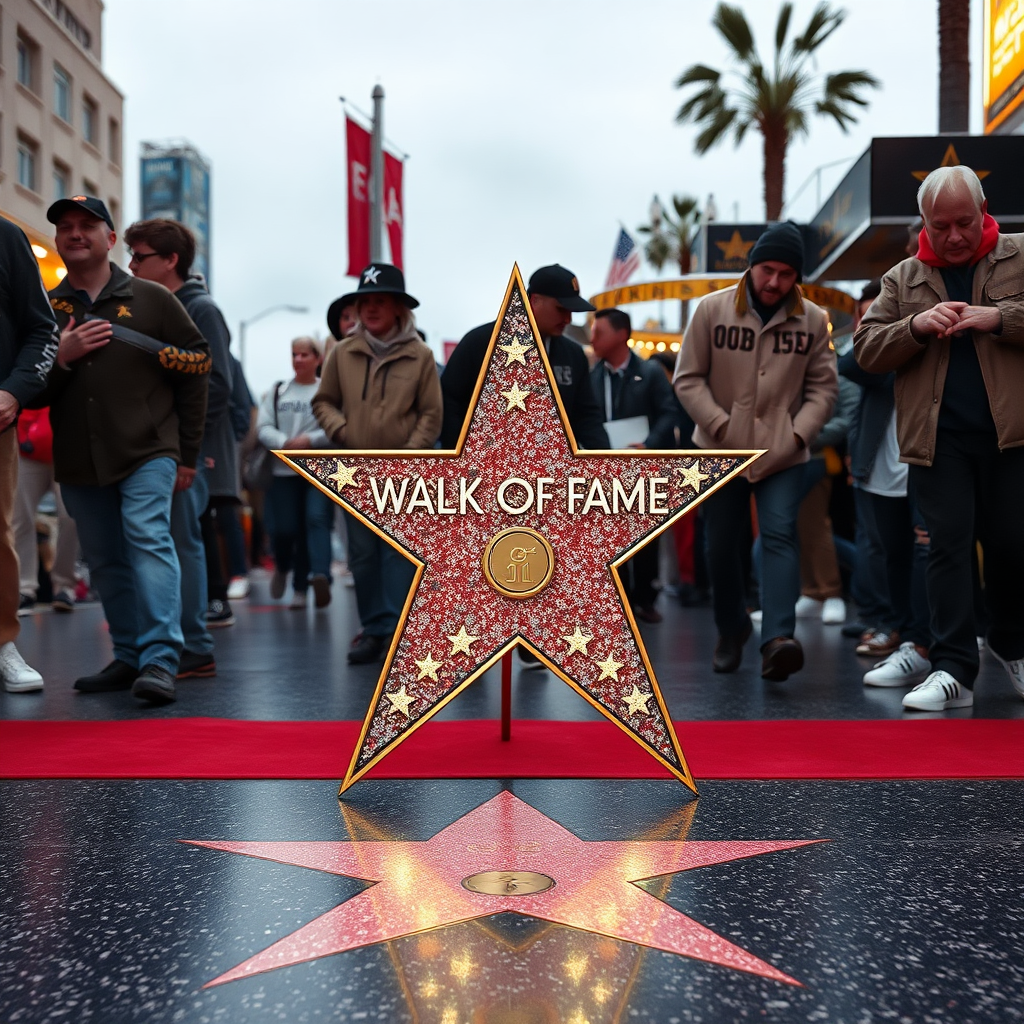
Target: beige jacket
x,y
883,342
748,385
394,403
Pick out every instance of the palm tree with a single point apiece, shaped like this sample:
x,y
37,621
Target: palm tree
x,y
671,241
954,65
777,102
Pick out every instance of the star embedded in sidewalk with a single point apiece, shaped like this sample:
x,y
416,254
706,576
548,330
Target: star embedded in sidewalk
x,y
518,538
516,398
462,641
428,667
504,857
343,476
692,476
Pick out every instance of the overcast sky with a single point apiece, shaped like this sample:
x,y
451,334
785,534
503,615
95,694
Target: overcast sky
x,y
533,129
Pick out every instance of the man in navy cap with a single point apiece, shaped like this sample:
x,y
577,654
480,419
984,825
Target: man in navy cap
x,y
554,295
757,370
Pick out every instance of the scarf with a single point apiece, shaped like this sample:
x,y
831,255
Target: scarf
x,y
989,237
402,333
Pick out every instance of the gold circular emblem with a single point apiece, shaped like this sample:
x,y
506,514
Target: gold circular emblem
x,y
518,562
508,883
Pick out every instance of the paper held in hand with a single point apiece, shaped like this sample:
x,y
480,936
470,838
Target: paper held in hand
x,y
629,431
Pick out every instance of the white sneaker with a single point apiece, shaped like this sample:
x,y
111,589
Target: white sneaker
x,y
903,667
833,611
807,607
238,588
17,676
939,692
755,616
1014,669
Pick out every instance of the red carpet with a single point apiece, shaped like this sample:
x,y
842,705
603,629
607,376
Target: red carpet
x,y
215,748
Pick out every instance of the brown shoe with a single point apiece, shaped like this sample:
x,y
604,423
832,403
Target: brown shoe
x,y
880,644
729,649
780,658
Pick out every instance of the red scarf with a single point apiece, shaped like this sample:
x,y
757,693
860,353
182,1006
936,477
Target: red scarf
x,y
989,237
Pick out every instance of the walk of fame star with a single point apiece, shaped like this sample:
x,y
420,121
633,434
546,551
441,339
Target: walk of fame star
x,y
418,886
552,523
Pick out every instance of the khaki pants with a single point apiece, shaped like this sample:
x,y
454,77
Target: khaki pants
x,y
9,594
34,480
819,568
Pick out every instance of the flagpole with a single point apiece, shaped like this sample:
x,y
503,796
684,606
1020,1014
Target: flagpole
x,y
377,176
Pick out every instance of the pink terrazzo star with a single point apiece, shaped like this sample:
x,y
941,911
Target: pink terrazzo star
x,y
419,886
457,624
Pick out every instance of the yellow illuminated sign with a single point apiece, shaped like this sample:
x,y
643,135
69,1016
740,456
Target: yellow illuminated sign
x,y
1003,71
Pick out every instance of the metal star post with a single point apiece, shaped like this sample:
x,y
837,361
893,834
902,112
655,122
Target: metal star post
x,y
517,537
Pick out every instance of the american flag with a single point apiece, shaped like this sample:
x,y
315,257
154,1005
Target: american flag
x,y
625,261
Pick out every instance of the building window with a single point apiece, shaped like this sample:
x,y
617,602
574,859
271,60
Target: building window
x,y
90,188
114,208
61,93
28,54
115,142
27,151
61,181
90,120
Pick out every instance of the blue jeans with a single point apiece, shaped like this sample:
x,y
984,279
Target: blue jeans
x,y
300,528
382,577
125,533
778,500
186,532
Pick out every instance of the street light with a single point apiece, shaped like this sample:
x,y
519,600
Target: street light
x,y
243,324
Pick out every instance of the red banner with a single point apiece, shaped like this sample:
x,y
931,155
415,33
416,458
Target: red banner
x,y
358,140
393,215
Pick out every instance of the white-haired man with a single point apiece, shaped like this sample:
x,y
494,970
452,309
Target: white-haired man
x,y
950,322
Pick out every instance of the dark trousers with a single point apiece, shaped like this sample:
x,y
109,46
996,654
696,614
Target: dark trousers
x,y
972,489
639,574
728,513
892,522
301,529
869,587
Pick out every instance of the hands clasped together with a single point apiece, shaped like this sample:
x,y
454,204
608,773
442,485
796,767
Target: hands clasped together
x,y
946,319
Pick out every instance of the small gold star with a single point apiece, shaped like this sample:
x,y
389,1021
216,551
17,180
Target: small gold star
x,y
516,352
343,476
949,159
637,702
400,701
461,641
735,248
577,642
609,669
428,667
516,398
693,477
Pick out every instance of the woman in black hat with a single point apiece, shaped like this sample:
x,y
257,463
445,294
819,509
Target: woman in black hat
x,y
379,390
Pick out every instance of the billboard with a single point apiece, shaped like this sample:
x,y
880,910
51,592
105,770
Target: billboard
x,y
1003,65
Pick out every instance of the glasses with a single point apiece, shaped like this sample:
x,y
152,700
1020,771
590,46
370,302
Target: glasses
x,y
138,257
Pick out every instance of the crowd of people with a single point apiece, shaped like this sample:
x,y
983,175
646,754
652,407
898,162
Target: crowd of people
x,y
120,397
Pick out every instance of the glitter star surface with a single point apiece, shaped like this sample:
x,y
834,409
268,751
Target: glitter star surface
x,y
400,701
636,702
578,641
691,476
594,886
609,668
515,397
619,501
515,352
462,642
428,668
343,476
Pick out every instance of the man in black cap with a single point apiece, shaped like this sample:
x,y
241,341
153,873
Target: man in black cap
x,y
554,295
757,370
379,390
127,400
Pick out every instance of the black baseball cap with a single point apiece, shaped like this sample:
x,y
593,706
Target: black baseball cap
x,y
88,203
561,284
377,279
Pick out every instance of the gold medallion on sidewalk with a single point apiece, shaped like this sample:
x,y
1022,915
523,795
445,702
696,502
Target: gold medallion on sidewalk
x,y
508,883
519,562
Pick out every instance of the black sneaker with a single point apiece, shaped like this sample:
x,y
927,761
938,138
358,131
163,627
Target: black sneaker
x,y
529,659
196,666
218,613
63,601
26,604
154,684
118,675
369,649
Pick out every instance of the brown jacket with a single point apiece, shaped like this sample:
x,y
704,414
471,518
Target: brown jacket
x,y
883,342
748,385
395,403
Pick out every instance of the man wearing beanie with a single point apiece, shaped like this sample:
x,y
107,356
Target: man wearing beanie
x,y
757,370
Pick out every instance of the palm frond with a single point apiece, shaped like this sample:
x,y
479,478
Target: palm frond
x,y
824,21
782,27
716,129
732,25
701,106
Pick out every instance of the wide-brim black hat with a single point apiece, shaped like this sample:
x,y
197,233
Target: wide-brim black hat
x,y
376,279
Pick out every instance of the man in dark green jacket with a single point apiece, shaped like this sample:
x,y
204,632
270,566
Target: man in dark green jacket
x,y
127,402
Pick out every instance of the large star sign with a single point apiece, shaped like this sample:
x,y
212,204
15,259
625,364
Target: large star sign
x,y
517,536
